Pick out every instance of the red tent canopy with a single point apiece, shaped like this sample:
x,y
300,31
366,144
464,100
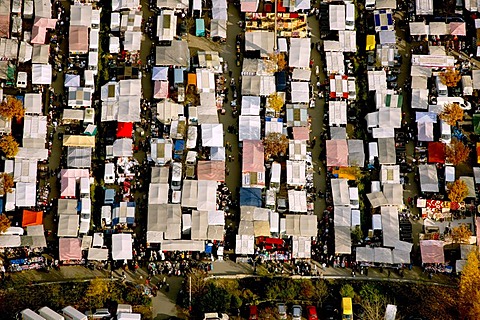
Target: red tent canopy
x,y
32,218
436,152
124,130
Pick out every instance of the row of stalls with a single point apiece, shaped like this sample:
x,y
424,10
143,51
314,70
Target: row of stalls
x,y
277,194
438,137
346,157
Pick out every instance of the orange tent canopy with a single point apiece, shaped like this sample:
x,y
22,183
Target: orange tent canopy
x,y
32,218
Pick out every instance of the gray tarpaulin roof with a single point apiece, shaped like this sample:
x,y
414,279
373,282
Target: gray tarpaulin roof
x,y
262,41
68,225
340,192
67,206
97,254
393,193
342,216
377,199
386,151
177,54
343,240
428,178
174,222
78,157
156,219
246,228
199,225
159,175
356,153
190,193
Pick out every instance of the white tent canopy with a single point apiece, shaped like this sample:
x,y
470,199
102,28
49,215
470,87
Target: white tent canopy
x,y
207,195
212,135
190,193
250,105
41,74
97,254
297,201
68,225
299,56
123,148
122,246
249,128
158,193
300,92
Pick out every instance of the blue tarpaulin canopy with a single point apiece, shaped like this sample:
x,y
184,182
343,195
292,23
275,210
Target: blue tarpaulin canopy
x,y
178,76
200,28
251,197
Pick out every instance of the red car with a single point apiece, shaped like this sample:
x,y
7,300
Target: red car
x,y
253,313
312,313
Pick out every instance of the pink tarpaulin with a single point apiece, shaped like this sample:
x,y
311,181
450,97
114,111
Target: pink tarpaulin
x,y
248,6
160,90
40,27
211,170
253,156
458,29
70,248
68,181
432,251
337,153
301,133
78,39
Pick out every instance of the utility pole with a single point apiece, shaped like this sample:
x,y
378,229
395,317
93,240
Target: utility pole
x,y
275,28
190,293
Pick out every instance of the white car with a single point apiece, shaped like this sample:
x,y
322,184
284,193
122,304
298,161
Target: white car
x,y
99,314
177,172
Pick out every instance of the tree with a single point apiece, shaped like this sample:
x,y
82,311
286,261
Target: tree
x,y
347,291
12,107
373,302
457,191
9,146
275,102
451,113
321,290
6,183
96,293
5,223
357,234
457,152
461,234
275,144
450,77
469,288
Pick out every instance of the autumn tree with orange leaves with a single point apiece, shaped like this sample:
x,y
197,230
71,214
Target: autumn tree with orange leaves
x,y
6,183
461,234
9,146
275,144
457,191
12,108
450,77
457,152
5,223
275,102
451,113
468,290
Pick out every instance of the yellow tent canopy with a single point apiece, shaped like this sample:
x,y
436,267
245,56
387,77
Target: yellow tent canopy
x,y
370,42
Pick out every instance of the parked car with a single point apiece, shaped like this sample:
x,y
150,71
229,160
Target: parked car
x,y
177,172
296,312
312,313
99,314
329,312
282,311
253,314
281,205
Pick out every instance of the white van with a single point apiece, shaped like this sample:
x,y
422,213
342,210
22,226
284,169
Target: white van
x,y
449,173
349,16
442,89
467,85
372,152
129,316
445,132
275,173
176,182
192,137
22,80
109,176
126,308
71,313
49,314
28,314
85,187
